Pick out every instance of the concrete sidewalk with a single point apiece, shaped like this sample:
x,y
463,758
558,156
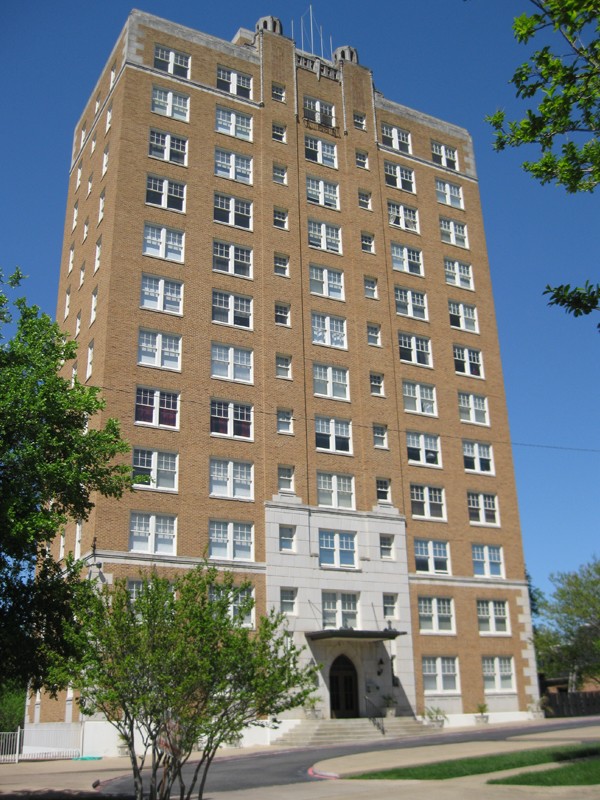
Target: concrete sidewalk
x,y
45,779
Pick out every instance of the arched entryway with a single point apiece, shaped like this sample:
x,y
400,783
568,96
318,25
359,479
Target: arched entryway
x,y
343,688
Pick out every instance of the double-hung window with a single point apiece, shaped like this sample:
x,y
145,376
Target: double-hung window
x,y
232,541
498,674
419,398
401,216
231,309
432,556
440,675
234,166
163,242
333,435
492,616
287,600
278,132
167,147
458,274
285,420
410,303
281,218
483,508
340,610
335,491
233,123
468,361
231,479
232,258
171,61
423,449
283,314
278,92
390,606
374,334
232,211
453,232
165,193
399,176
324,236
231,419
231,363
156,407
320,150
287,538
367,242
407,259
383,491
370,287
324,193
161,294
360,120
170,104
154,469
319,111
283,366
330,381
436,615
396,138
380,436
414,349
232,82
463,316
377,384
328,330
156,349
280,174
444,155
449,193
487,561
473,408
327,282
337,549
152,533
281,265
477,457
427,502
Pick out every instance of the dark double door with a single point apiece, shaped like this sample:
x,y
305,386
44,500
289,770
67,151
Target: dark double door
x,y
343,688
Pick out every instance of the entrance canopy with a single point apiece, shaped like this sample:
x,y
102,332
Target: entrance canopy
x,y
355,635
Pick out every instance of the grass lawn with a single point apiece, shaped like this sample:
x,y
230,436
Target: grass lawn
x,y
580,773
460,768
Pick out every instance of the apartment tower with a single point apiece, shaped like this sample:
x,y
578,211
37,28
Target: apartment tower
x,y
279,279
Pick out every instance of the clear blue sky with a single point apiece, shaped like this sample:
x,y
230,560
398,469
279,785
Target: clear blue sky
x,y
448,58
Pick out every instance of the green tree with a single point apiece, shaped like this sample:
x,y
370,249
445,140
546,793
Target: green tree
x,y
568,641
12,705
52,459
563,83
176,669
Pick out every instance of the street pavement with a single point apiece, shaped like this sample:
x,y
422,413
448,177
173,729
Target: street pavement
x,y
81,779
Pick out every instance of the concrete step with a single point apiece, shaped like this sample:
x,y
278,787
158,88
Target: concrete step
x,y
334,731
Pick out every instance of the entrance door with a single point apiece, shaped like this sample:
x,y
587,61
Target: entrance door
x,y
343,688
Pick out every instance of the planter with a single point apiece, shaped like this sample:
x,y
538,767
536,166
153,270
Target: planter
x,y
482,719
390,712
436,723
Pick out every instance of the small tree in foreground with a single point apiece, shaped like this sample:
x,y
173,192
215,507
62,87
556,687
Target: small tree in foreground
x,y
176,669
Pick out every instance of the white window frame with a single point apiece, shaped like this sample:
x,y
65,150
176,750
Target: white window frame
x,y
473,409
440,675
377,384
359,120
150,530
323,236
450,194
407,259
431,498
410,303
283,314
498,675
285,478
279,132
167,294
162,242
285,421
234,123
415,349
396,138
154,466
361,159
321,151
458,273
422,396
338,433
233,82
283,366
335,490
488,561
171,104
236,539
493,617
171,61
238,361
320,111
337,549
398,176
383,490
332,378
328,330
326,282
423,449
232,259
321,192
386,546
436,615
367,242
389,603
483,509
370,287
374,334
463,316
280,174
105,157
232,412
233,166
478,457
236,315
233,211
156,400
281,265
90,360
444,155
287,600
380,436
166,348
432,557
403,216
468,361
364,199
454,232
97,256
167,147
230,479
280,218
278,92
340,610
78,324
93,305
287,538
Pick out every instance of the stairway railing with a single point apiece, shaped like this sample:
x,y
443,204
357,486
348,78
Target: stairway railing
x,y
376,719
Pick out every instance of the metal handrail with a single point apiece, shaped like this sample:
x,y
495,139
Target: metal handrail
x,y
376,719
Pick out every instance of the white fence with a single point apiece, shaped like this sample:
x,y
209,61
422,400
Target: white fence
x,y
41,742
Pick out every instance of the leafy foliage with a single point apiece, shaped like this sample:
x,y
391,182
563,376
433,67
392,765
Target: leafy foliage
x,y
176,670
578,301
51,463
12,705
